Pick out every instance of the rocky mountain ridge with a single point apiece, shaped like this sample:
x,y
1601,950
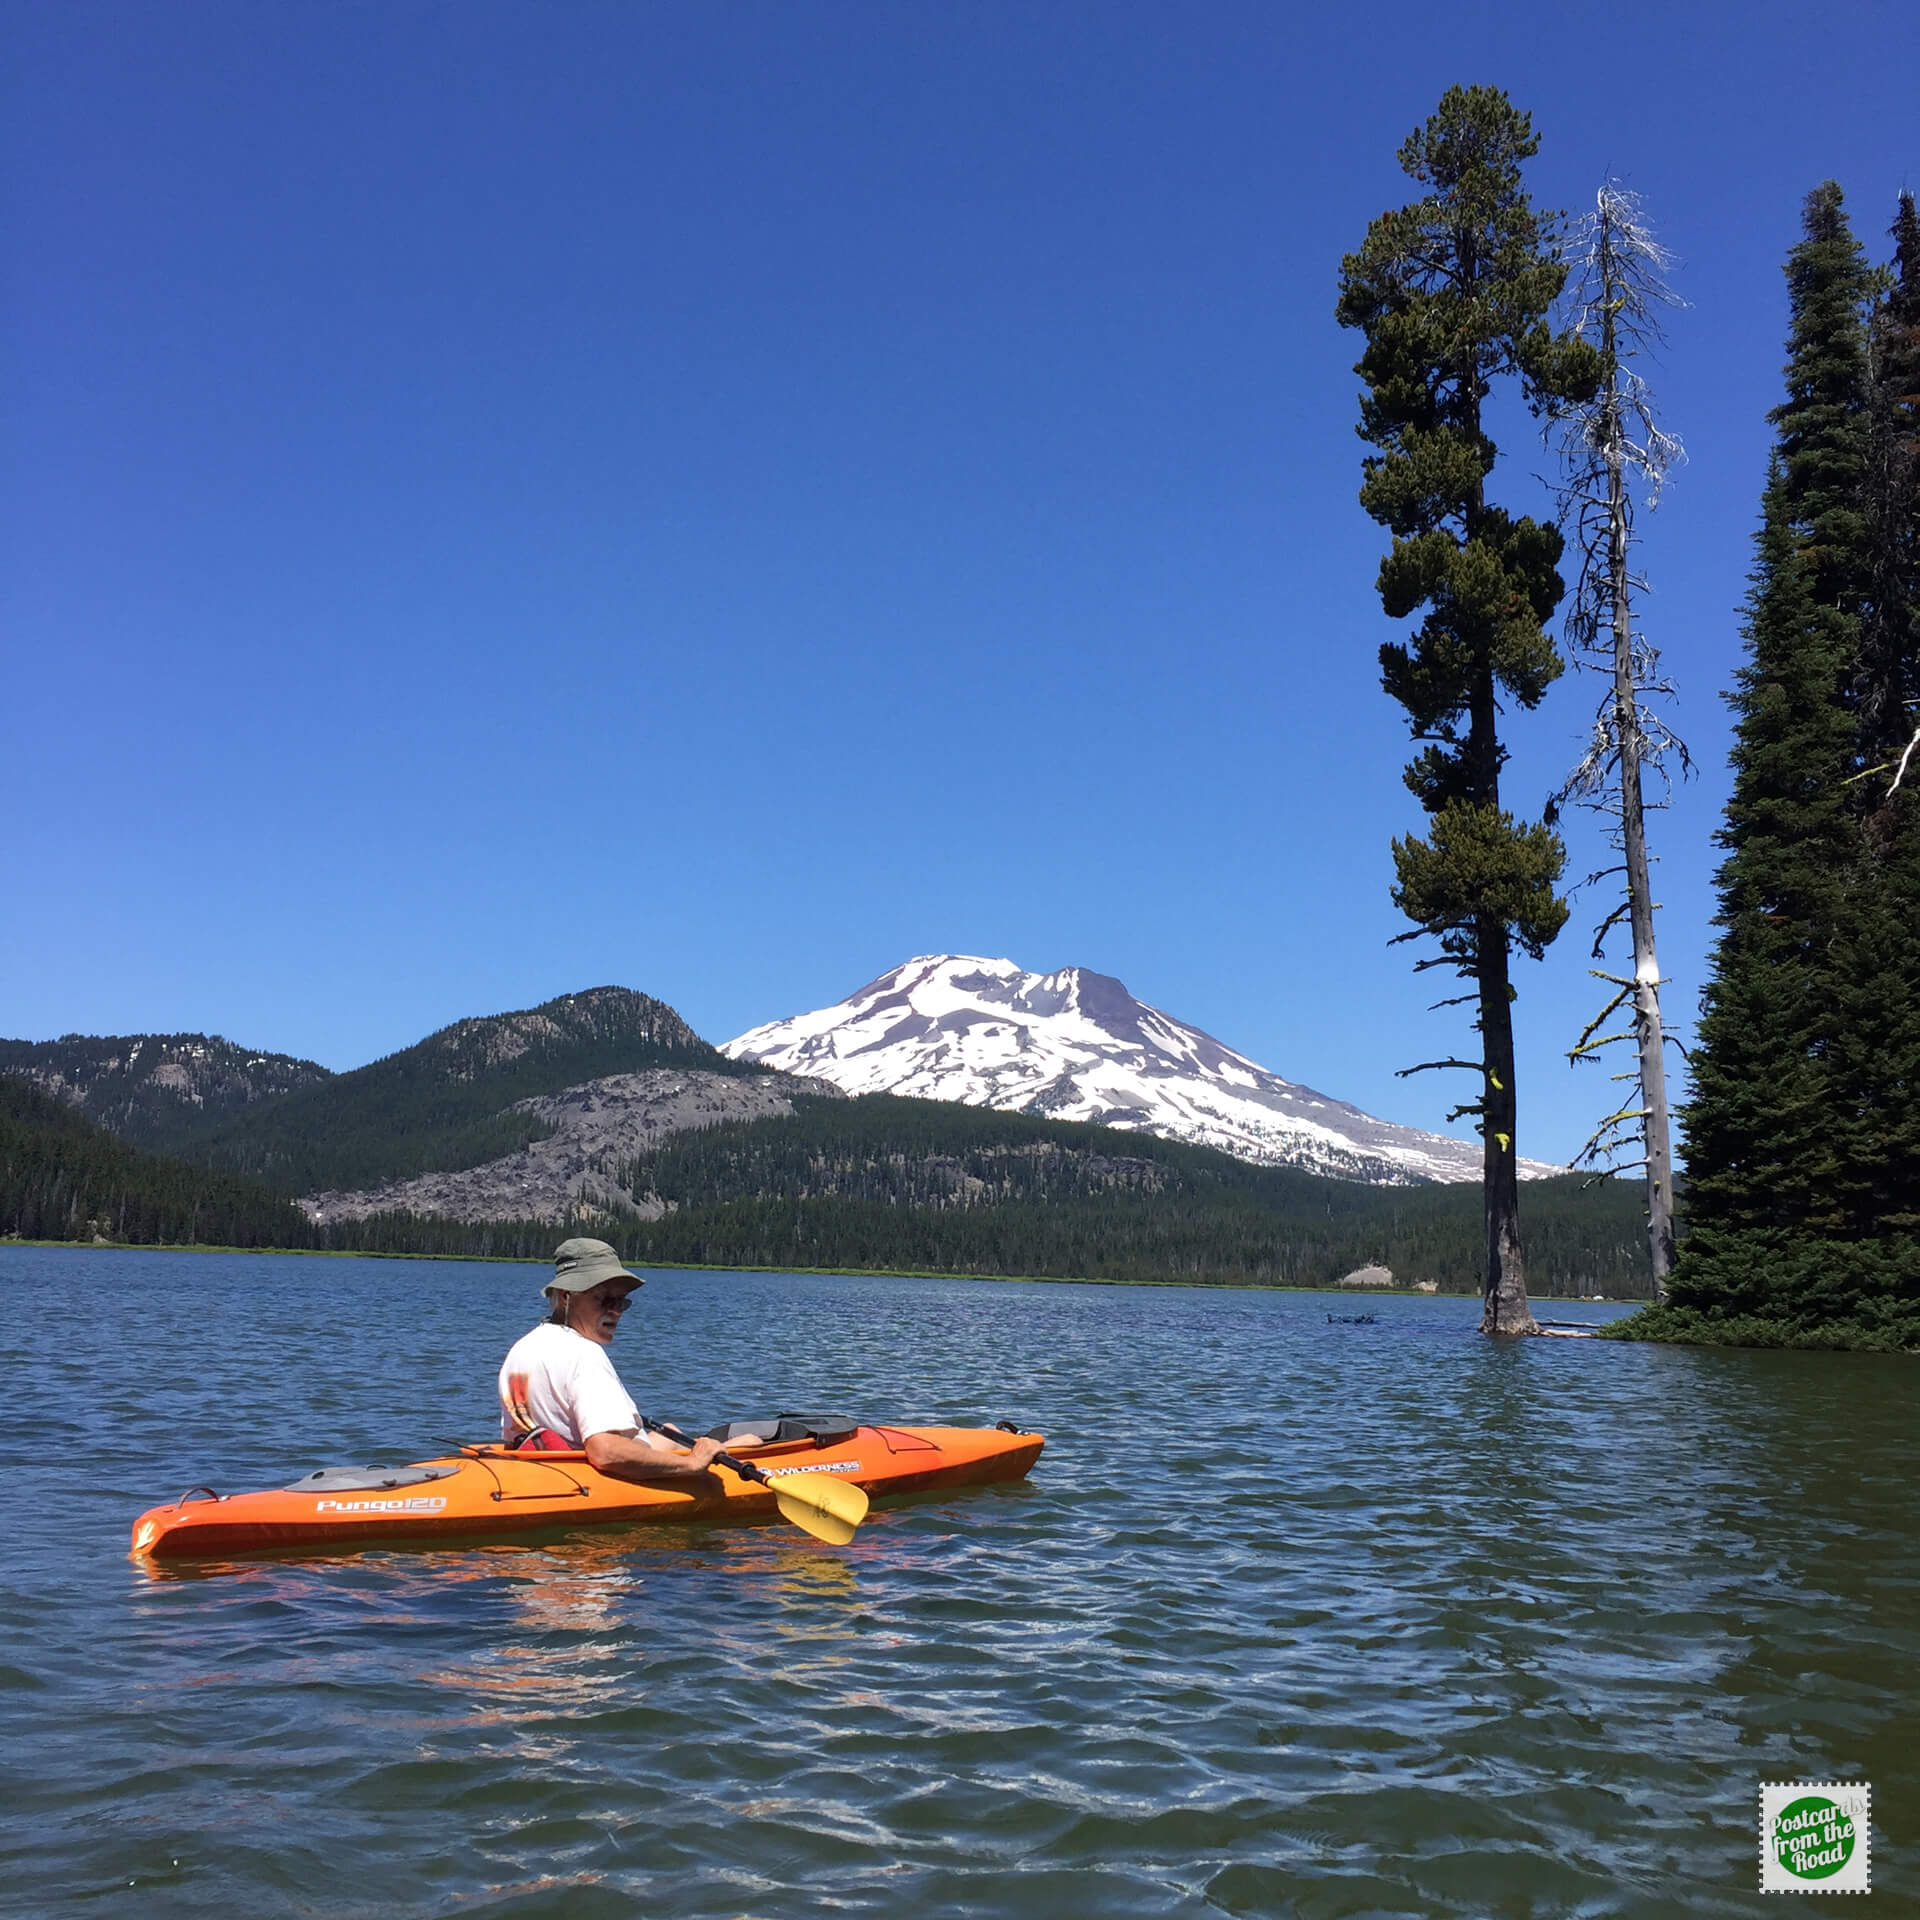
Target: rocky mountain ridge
x,y
467,1094
600,1016
456,1099
157,1090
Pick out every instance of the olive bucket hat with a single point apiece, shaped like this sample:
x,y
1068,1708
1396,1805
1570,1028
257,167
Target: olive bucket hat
x,y
580,1264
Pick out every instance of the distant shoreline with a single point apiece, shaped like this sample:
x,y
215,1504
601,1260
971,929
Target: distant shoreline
x,y
292,1253
875,1273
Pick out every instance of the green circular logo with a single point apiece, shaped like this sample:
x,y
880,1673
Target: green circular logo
x,y
1812,1838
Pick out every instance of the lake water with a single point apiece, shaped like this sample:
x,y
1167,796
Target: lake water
x,y
1293,1618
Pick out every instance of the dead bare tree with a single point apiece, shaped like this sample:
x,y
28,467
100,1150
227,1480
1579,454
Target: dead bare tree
x,y
1612,447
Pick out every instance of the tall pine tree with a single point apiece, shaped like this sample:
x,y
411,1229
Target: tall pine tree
x,y
1795,1231
1452,293
1761,1151
1887,677
1877,1058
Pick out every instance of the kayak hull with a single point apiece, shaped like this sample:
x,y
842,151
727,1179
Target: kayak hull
x,y
488,1491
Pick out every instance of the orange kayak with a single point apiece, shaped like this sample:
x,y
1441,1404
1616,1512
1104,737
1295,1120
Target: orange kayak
x,y
488,1491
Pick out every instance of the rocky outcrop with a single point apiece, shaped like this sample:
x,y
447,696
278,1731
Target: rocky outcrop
x,y
471,1048
596,1126
1368,1277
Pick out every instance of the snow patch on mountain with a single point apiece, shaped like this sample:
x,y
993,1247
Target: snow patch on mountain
x,y
1076,1045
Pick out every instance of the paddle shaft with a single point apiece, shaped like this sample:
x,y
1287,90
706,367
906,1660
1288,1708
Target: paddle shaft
x,y
830,1511
744,1468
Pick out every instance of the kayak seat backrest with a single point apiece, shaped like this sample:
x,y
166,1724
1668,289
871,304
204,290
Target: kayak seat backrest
x,y
823,1429
366,1479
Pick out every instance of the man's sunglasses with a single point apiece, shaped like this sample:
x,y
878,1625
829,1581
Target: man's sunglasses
x,y
612,1302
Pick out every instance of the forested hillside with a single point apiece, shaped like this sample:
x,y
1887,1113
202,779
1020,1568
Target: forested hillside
x,y
876,1184
447,1102
62,1178
162,1091
928,1185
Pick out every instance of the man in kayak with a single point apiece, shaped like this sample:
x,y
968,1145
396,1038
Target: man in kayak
x,y
558,1388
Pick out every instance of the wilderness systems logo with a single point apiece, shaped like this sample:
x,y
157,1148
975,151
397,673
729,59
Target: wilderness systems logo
x,y
826,1466
1815,1836
414,1503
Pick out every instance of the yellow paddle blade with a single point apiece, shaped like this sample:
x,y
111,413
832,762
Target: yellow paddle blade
x,y
828,1509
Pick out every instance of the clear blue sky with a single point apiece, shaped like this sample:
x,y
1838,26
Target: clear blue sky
x,y
501,499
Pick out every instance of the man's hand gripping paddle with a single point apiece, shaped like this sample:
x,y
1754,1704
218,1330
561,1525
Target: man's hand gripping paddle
x,y
827,1508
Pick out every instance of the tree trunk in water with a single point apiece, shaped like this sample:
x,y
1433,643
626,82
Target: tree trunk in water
x,y
1646,968
1504,1308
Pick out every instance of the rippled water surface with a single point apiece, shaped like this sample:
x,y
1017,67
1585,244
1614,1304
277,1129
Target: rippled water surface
x,y
1293,1617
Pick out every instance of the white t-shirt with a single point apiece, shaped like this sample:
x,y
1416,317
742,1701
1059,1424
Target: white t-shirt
x,y
554,1377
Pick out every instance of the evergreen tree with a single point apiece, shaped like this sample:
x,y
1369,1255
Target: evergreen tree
x,y
1452,292
1877,1057
1761,1148
1822,422
1800,1217
1887,681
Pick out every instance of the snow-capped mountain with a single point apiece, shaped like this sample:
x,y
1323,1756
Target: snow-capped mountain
x,y
1076,1045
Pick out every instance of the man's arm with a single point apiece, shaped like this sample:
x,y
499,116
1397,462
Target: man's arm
x,y
621,1457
